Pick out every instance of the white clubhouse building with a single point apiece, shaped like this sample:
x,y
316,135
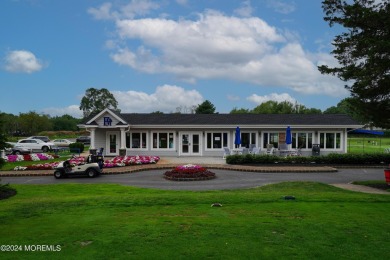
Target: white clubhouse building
x,y
208,134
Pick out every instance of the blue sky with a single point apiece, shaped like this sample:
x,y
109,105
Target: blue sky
x,y
164,54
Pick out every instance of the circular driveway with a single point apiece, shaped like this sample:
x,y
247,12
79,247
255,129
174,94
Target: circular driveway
x,y
226,179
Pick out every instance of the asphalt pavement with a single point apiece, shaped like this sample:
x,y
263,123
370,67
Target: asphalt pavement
x,y
226,179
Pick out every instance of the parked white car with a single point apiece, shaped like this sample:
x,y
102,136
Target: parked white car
x,y
62,142
34,144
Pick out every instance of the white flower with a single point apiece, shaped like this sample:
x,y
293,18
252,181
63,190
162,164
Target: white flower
x,y
20,168
34,157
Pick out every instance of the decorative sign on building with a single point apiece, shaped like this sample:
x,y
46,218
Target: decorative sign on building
x,y
107,121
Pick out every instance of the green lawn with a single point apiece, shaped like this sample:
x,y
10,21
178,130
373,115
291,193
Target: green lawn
x,y
109,221
369,144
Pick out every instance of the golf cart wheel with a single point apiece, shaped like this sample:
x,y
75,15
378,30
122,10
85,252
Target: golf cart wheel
x,y
91,173
58,174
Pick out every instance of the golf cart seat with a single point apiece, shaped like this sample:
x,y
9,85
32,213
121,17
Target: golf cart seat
x,y
67,166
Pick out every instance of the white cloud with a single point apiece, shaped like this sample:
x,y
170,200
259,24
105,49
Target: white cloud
x,y
182,2
125,57
211,47
22,61
166,99
233,98
131,10
216,46
273,96
103,12
281,6
245,10
72,110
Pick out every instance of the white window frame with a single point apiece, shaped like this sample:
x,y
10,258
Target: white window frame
x,y
141,140
335,140
307,139
264,145
173,148
251,133
212,140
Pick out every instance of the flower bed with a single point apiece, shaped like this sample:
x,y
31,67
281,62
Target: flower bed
x,y
118,161
29,157
121,161
189,172
50,166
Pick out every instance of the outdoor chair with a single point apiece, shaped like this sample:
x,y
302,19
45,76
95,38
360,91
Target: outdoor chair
x,y
255,150
283,147
270,151
245,151
226,152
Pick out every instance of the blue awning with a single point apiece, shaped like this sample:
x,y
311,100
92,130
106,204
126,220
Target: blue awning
x,y
364,131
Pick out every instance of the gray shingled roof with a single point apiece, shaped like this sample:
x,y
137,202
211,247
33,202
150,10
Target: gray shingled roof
x,y
239,119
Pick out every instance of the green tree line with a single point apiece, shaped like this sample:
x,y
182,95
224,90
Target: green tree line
x,y
32,123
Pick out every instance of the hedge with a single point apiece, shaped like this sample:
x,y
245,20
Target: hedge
x,y
333,159
76,147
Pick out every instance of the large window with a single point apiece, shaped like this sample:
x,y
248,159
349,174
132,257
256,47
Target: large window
x,y
302,140
216,140
330,140
163,140
271,138
248,140
136,140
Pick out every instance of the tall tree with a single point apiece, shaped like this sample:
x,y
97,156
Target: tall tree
x,y
284,107
95,100
32,123
347,106
64,123
239,111
268,107
9,124
363,52
205,108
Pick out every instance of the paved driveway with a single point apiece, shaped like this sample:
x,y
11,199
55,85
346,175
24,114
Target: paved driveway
x,y
225,179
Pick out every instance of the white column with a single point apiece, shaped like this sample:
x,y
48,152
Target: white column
x,y
345,140
123,138
92,146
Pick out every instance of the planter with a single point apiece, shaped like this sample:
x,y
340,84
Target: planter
x,y
387,175
122,152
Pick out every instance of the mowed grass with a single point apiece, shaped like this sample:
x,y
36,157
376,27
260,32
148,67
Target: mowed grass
x,y
369,144
108,221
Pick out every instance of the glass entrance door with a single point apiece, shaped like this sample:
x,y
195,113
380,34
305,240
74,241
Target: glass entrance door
x,y
112,143
190,144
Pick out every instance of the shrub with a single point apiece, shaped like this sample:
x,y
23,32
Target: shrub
x,y
2,162
333,158
76,147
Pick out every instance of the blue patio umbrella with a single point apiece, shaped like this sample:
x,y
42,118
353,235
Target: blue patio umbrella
x,y
237,140
288,135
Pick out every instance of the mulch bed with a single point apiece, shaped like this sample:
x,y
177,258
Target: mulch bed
x,y
189,176
380,186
